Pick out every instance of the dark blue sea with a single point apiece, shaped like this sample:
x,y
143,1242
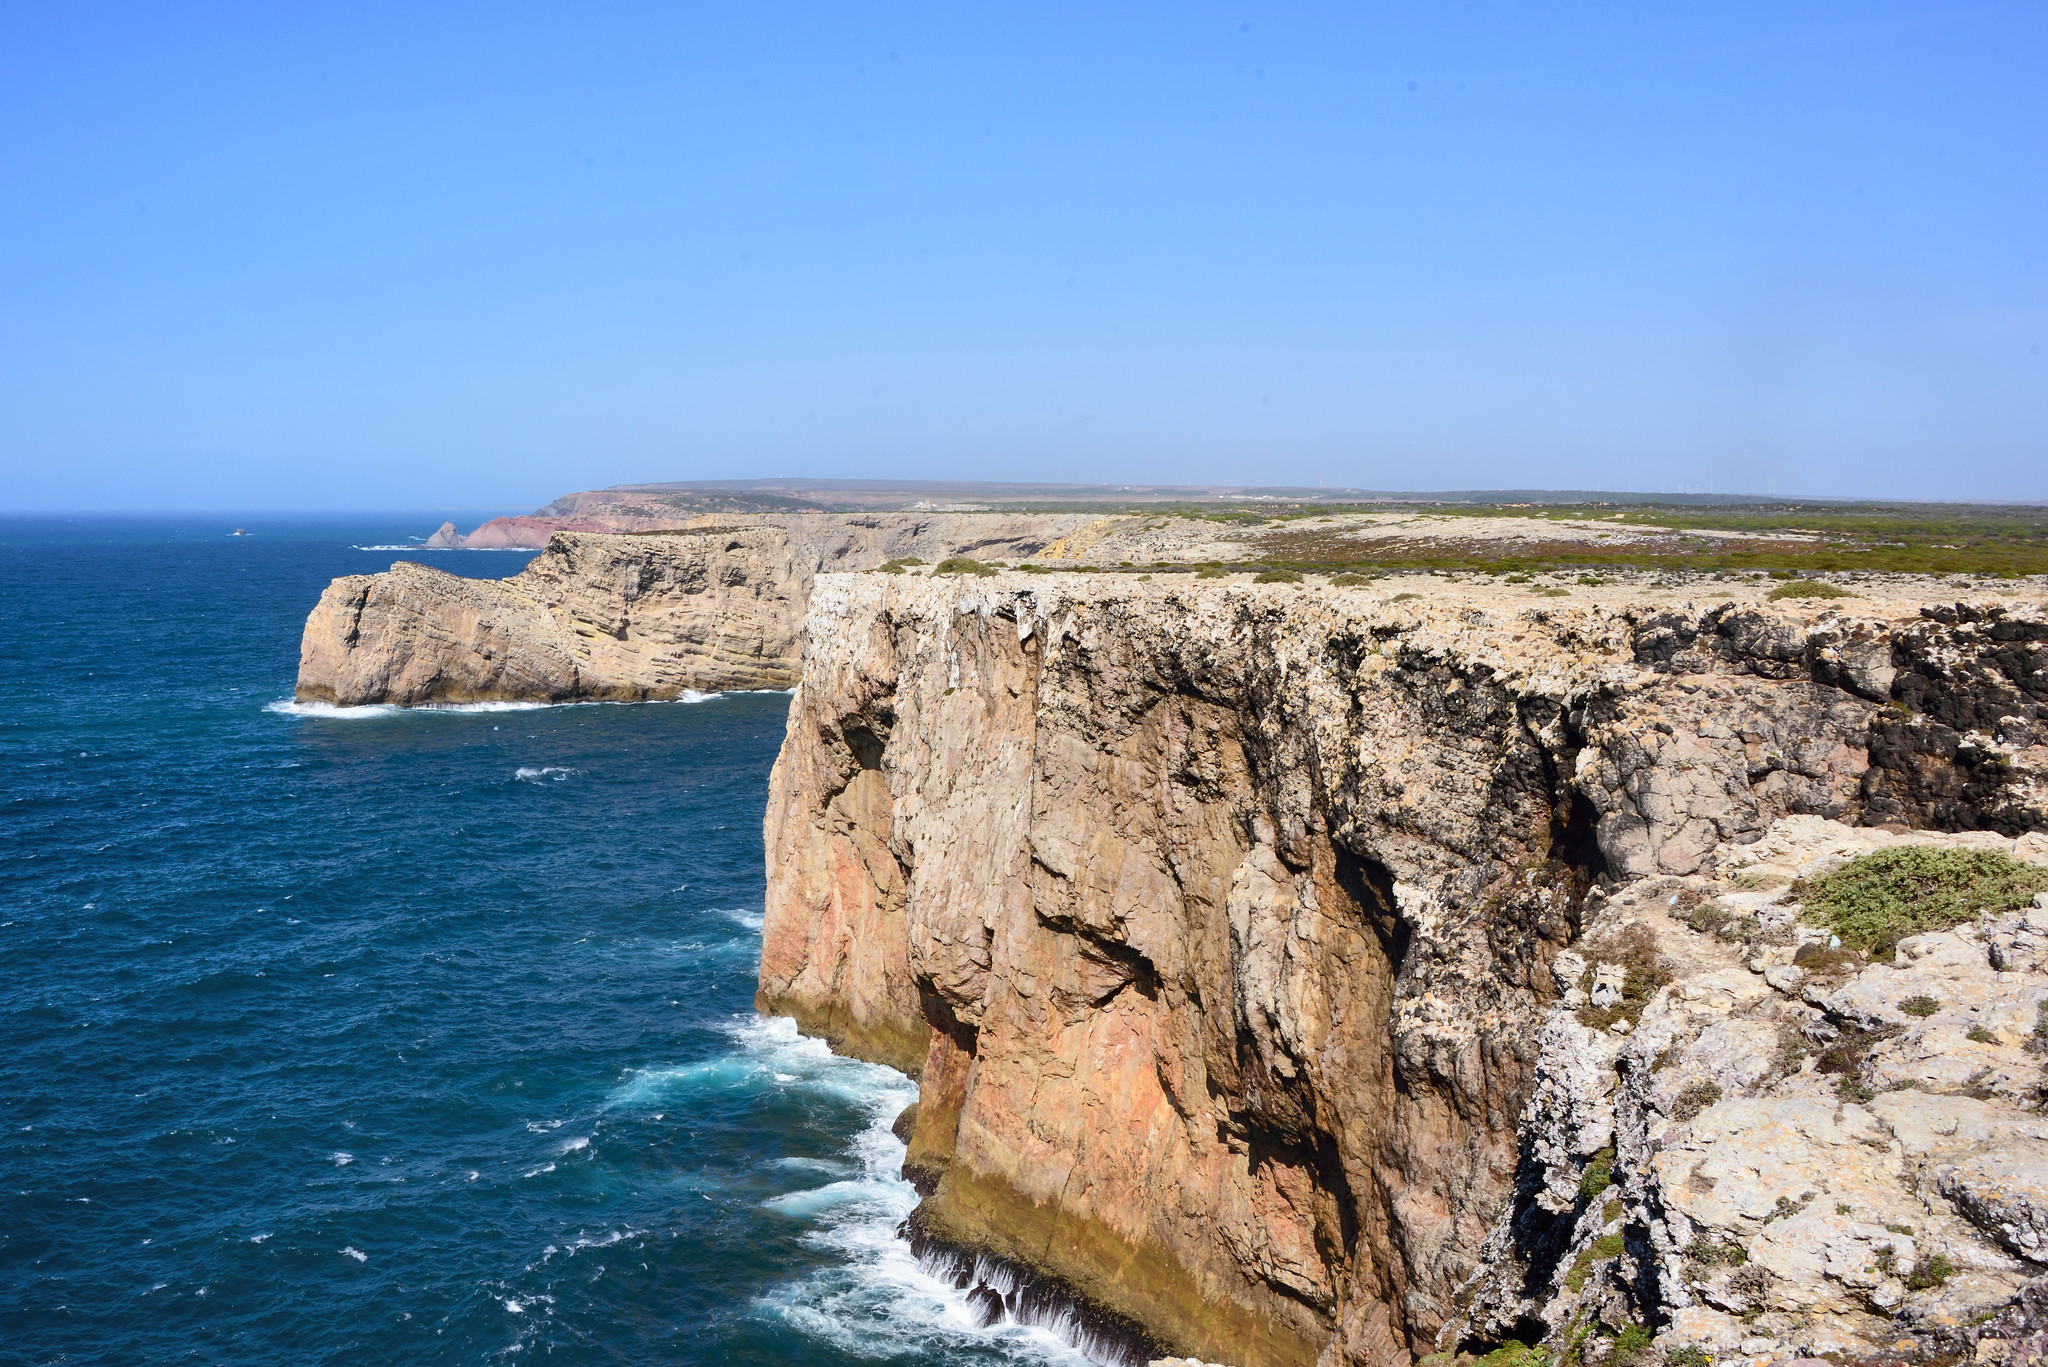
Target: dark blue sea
x,y
388,1037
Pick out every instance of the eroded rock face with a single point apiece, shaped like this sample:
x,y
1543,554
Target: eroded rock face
x,y
595,617
1222,922
1778,1161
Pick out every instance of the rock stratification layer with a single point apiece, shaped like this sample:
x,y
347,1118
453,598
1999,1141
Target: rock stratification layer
x,y
1220,921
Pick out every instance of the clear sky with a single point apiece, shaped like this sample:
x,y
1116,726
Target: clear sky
x,y
360,255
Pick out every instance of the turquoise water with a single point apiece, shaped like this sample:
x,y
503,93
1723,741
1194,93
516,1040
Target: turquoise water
x,y
394,1037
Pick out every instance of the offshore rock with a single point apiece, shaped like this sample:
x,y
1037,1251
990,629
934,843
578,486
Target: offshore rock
x,y
1224,927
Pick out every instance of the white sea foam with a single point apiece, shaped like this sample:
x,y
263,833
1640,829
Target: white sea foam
x,y
876,1301
576,1145
541,773
740,916
356,1253
342,1160
291,707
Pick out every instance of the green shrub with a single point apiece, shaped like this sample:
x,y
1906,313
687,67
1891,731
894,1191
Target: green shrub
x,y
1644,970
960,564
1631,1343
1691,1355
1277,577
1552,593
1978,1034
1515,1353
1808,588
1212,572
1929,1271
1403,597
1877,900
1516,579
1922,1006
1598,1176
1705,1251
1581,1271
1345,581
1695,1097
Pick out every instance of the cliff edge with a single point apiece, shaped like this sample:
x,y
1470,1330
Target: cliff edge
x,y
1228,926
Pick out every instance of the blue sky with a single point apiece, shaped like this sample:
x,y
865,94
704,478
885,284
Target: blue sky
x,y
380,256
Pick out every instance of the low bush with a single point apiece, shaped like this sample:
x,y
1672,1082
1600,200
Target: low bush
x,y
1879,899
1922,1006
1403,597
1345,581
1212,572
1630,1345
1695,1097
1552,593
1644,970
1929,1271
1808,588
1598,1176
1277,577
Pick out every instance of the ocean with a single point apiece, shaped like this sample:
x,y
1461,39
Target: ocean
x,y
383,1036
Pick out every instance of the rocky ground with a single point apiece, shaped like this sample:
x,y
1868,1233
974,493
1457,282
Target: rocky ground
x,y
1784,1152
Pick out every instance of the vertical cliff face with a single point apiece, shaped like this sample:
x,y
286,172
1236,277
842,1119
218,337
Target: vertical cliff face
x,y
1218,920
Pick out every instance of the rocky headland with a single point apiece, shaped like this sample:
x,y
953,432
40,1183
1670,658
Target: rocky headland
x,y
605,617
1344,975
1351,969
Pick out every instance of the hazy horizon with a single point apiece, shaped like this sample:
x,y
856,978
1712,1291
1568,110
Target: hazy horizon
x,y
476,258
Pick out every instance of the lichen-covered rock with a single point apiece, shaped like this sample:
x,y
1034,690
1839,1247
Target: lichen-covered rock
x,y
1847,1163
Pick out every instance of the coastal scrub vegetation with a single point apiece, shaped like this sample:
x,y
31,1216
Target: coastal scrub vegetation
x,y
1808,588
1878,899
960,564
1644,970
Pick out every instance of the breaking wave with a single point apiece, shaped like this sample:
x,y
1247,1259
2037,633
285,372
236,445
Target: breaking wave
x,y
291,707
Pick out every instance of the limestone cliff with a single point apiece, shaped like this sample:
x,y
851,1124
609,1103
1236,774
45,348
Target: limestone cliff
x,y
600,616
1221,922
595,617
